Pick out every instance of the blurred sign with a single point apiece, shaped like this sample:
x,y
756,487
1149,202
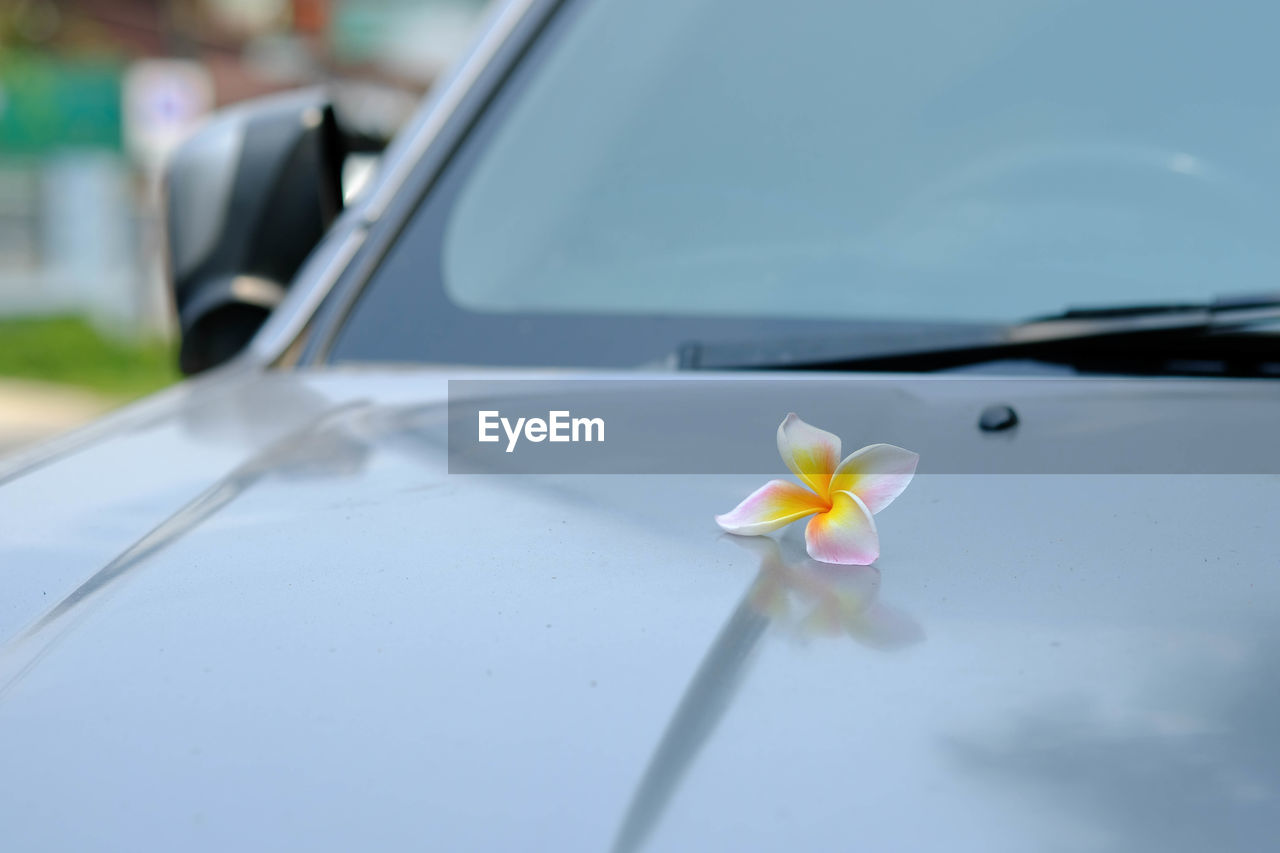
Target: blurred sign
x,y
164,101
47,104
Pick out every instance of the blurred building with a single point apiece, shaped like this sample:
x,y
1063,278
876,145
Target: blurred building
x,y
95,93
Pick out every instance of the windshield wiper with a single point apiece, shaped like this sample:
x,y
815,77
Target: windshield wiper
x,y
1145,338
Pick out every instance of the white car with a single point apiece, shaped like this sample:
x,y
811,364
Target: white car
x,y
302,602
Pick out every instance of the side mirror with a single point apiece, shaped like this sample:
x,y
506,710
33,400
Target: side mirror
x,y
247,198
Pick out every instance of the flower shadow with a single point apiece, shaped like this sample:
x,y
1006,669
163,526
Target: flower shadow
x,y
791,591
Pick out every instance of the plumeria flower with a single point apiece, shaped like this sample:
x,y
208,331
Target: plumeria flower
x,y
840,494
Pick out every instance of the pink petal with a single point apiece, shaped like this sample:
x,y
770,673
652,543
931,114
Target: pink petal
x,y
877,473
769,507
844,534
811,453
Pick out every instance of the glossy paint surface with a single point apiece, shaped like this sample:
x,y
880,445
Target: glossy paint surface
x,y
262,614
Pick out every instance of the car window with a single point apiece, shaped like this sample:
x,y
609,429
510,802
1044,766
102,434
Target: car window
x,y
691,168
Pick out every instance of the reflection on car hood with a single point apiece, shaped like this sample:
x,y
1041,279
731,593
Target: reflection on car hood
x,y
259,610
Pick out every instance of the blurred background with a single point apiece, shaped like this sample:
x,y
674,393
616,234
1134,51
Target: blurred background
x,y
94,95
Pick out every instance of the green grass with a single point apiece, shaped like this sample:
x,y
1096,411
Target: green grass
x,y
68,350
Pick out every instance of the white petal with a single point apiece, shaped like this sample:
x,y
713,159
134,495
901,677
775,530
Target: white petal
x,y
811,453
844,534
877,474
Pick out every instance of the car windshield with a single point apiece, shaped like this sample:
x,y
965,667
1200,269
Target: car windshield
x,y
985,160
653,172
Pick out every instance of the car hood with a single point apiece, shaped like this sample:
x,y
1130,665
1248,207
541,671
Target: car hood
x,y
259,611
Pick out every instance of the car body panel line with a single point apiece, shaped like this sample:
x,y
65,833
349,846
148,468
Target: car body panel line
x,y
24,650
